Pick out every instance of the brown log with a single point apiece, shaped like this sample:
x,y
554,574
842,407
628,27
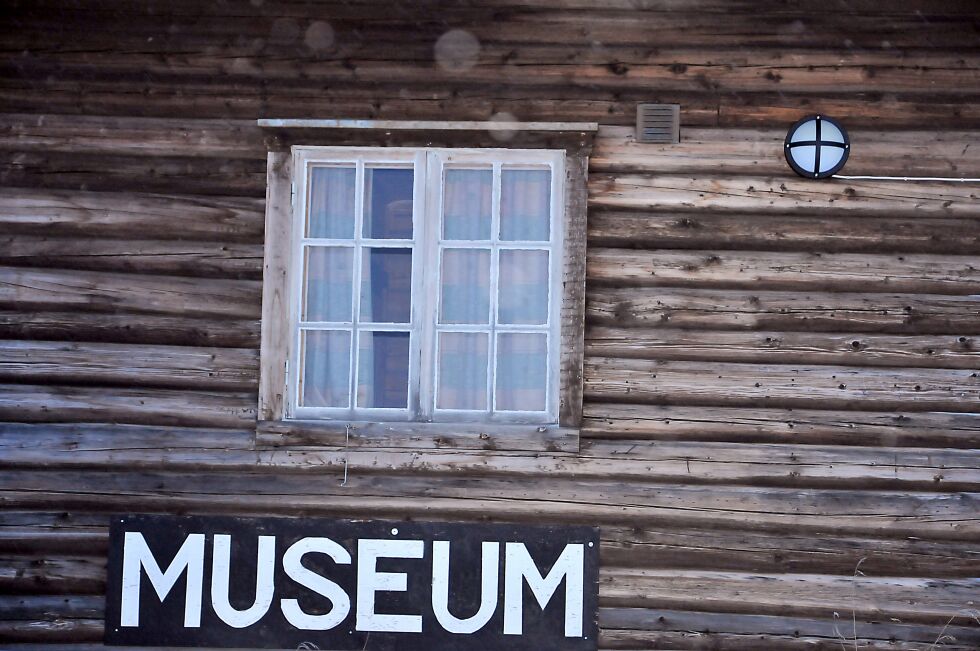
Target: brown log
x,y
754,270
823,511
802,426
828,233
760,152
785,311
115,173
93,291
200,259
781,195
784,347
627,461
908,600
128,365
785,386
36,403
150,329
62,213
52,575
84,134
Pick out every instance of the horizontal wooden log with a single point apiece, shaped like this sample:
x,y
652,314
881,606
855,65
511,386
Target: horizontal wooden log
x,y
52,575
792,72
908,600
46,403
782,311
48,630
93,291
164,257
173,174
84,134
781,195
128,365
51,94
756,270
784,386
787,552
61,607
130,328
63,213
827,233
311,434
632,460
823,511
636,628
784,347
760,152
605,420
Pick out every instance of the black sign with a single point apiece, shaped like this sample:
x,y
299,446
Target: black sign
x,y
335,584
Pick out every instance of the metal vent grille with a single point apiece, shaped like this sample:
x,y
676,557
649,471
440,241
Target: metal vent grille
x,y
659,123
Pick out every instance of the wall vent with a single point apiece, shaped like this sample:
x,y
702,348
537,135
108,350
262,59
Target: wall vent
x,y
659,123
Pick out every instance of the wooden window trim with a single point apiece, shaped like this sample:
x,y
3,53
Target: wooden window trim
x,y
274,429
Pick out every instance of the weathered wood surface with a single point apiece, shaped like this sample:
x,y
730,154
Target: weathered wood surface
x,y
135,215
782,195
120,173
128,365
658,229
906,273
627,461
787,386
934,351
132,328
94,291
163,257
851,312
760,151
878,513
47,403
733,516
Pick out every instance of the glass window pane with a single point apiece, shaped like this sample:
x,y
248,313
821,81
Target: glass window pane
x,y
465,286
331,203
326,368
467,204
463,370
386,285
523,287
382,369
525,205
329,283
522,372
388,203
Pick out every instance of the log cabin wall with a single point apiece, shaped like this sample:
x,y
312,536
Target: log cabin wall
x,y
782,393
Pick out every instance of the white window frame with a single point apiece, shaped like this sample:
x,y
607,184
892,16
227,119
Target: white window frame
x,y
429,164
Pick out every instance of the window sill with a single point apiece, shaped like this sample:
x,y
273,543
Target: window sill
x,y
472,436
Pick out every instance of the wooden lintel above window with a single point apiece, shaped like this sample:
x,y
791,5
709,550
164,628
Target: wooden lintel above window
x,y
574,137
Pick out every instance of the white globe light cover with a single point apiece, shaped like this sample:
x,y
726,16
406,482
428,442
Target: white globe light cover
x,y
817,147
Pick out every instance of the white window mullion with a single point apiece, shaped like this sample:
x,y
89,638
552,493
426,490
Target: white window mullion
x,y
356,280
431,271
494,282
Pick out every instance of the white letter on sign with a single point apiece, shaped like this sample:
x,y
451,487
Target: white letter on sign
x,y
293,565
519,566
137,556
265,571
370,580
440,588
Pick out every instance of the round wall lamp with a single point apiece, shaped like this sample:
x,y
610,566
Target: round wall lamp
x,y
816,147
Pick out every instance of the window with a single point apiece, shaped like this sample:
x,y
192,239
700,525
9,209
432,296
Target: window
x,y
425,284
427,293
